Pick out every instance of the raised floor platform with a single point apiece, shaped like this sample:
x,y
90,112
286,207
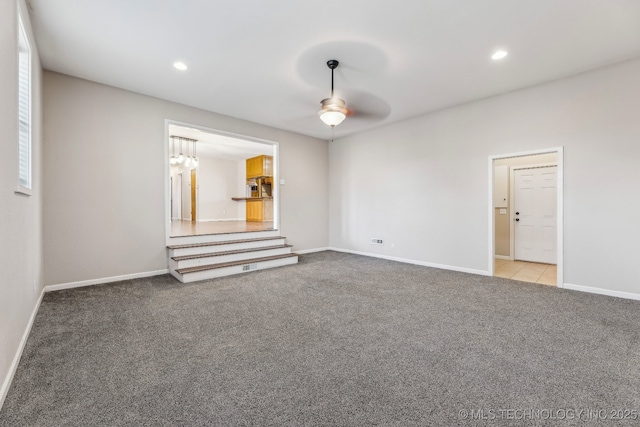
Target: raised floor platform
x,y
201,257
188,228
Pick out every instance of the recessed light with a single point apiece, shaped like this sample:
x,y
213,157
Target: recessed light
x,y
499,55
180,65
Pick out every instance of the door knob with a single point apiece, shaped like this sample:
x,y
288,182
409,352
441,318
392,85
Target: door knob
x,y
517,213
517,219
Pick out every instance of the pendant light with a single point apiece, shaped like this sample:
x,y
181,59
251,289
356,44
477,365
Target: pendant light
x,y
180,156
187,162
333,110
195,160
173,160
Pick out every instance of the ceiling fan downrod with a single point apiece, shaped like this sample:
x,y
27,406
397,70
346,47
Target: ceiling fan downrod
x,y
332,64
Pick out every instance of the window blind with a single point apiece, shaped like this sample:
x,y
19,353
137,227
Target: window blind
x,y
24,111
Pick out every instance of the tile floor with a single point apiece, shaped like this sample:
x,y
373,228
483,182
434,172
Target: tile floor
x,y
526,271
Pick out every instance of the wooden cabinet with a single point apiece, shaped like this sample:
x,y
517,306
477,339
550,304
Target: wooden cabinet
x,y
259,175
259,166
267,210
260,210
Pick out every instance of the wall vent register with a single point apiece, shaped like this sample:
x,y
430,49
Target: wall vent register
x,y
250,267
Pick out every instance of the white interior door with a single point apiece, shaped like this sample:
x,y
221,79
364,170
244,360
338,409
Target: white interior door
x,y
535,214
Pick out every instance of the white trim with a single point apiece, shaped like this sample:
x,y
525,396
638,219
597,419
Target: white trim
x,y
167,186
91,282
16,359
492,218
601,291
560,195
508,258
310,251
415,262
560,207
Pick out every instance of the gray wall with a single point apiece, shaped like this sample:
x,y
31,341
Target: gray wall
x,y
104,199
422,184
20,216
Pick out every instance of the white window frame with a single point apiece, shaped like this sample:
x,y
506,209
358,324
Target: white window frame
x,y
24,102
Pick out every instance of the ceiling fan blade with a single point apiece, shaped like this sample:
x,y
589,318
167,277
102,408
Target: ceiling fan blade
x,y
366,106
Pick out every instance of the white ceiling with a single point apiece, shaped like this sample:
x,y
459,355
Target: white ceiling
x,y
265,61
217,146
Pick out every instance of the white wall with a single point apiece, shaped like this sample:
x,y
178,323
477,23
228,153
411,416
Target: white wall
x,y
217,184
176,196
20,216
242,190
104,216
185,205
422,183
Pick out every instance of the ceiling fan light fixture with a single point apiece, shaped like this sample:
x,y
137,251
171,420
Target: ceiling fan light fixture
x,y
333,111
332,118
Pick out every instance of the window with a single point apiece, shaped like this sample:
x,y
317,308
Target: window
x,y
24,110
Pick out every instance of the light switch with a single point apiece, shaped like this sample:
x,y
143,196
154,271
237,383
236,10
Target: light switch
x,y
503,211
282,182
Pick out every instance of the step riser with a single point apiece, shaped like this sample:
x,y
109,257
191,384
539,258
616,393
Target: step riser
x,y
229,271
224,248
226,258
186,240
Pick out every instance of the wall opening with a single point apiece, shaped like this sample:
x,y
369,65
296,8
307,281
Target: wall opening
x,y
216,190
525,216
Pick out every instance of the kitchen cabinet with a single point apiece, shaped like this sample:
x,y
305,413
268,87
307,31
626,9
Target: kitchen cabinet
x,y
259,167
259,210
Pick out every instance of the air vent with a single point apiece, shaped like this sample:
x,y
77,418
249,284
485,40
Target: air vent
x,y
249,267
375,241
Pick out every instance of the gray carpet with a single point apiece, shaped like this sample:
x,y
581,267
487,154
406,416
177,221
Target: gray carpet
x,y
338,339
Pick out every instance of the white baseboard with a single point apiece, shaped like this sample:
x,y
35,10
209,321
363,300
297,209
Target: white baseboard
x,y
508,258
416,262
601,291
91,282
310,251
6,384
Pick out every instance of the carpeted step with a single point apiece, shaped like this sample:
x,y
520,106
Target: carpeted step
x,y
177,241
227,242
195,249
238,251
234,263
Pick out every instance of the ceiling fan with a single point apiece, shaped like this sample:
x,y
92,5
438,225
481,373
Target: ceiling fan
x,y
368,107
333,110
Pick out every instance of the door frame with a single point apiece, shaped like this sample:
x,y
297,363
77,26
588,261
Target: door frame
x,y
559,205
512,193
193,196
275,188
